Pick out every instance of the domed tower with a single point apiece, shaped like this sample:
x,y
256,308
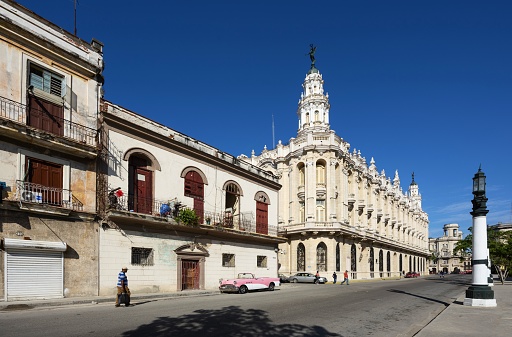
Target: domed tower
x,y
313,109
414,194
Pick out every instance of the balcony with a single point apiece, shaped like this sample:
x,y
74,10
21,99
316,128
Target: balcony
x,y
130,206
301,192
39,197
351,199
321,190
39,118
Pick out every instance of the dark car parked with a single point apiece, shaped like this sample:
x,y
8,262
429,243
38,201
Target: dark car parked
x,y
283,278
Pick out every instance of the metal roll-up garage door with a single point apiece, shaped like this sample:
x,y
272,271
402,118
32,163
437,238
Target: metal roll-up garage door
x,y
33,273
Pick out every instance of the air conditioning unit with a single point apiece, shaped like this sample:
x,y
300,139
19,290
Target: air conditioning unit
x,y
31,196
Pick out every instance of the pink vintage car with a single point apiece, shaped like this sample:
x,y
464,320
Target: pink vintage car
x,y
246,282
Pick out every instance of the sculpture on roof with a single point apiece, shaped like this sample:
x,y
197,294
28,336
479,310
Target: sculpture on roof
x,y
311,54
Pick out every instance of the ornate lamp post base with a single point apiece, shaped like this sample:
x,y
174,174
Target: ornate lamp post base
x,y
480,296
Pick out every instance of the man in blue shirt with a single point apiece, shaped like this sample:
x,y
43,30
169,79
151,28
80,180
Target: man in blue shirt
x,y
122,284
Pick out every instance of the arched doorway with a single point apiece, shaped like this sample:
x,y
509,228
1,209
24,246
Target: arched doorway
x,y
194,188
388,263
301,257
410,262
140,184
353,261
372,263
338,257
321,257
232,204
400,266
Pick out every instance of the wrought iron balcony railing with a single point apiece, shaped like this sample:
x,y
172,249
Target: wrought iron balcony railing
x,y
19,113
27,192
165,208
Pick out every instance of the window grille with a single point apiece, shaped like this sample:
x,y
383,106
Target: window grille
x,y
142,256
262,261
228,260
301,257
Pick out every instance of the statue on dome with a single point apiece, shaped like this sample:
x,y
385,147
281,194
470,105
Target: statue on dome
x,y
311,54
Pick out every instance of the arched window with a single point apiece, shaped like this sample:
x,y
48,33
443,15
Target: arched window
x,y
381,262
301,257
317,116
338,257
353,260
302,174
320,173
307,117
321,257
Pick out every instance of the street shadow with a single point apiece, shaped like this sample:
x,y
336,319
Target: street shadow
x,y
227,321
419,296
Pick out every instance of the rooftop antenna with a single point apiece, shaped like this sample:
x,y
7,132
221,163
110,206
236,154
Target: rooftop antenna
x,y
273,139
76,2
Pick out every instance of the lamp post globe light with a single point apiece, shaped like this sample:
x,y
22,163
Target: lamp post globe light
x,y
479,293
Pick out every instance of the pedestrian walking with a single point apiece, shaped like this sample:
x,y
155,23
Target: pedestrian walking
x,y
334,277
317,276
345,277
122,287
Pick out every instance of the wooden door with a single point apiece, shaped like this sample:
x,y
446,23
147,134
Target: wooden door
x,y
46,116
143,191
49,176
199,209
261,218
189,274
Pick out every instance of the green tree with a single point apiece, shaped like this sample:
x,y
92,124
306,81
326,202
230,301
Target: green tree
x,y
500,249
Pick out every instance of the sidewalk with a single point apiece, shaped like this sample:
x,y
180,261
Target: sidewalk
x,y
460,320
22,305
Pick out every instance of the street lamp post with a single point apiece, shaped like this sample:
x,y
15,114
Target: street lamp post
x,y
479,293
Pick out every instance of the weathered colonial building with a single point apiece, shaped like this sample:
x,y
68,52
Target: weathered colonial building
x,y
157,169
441,251
65,151
50,84
336,211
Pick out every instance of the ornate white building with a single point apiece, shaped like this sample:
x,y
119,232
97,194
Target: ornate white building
x,y
441,250
337,212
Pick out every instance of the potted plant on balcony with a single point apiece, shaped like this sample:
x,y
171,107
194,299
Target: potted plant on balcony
x,y
187,217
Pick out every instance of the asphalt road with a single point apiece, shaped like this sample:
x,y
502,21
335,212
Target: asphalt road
x,y
382,308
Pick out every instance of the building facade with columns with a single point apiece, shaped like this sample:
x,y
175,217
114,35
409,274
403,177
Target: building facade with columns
x,y
336,211
441,249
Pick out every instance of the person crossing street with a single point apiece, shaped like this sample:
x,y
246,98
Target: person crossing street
x,y
345,277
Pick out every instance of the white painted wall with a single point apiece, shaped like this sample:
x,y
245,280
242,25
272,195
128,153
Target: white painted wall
x,y
115,252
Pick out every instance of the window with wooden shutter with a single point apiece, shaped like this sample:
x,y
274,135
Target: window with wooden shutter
x,y
194,186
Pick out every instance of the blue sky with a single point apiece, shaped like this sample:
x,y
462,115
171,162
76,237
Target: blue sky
x,y
423,86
